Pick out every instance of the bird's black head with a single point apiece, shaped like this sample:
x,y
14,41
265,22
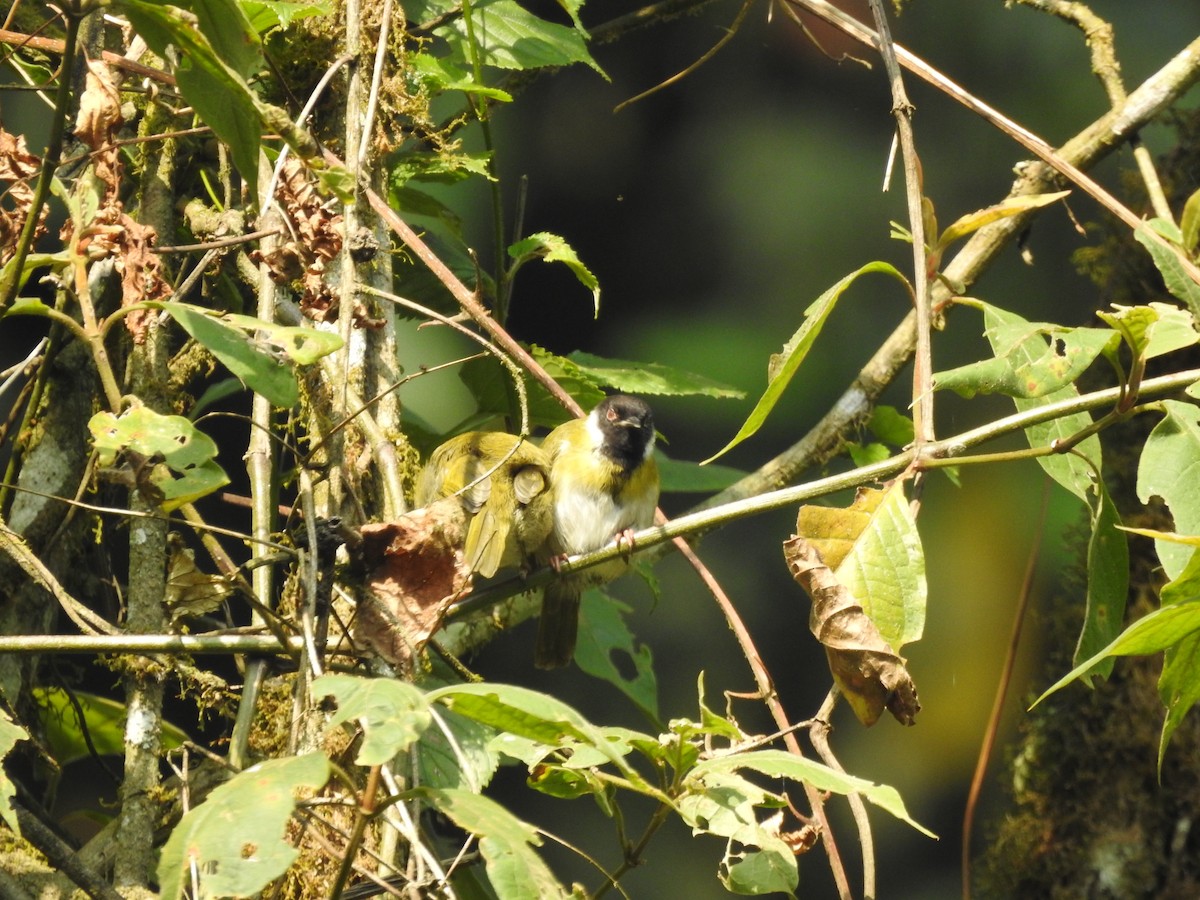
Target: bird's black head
x,y
626,425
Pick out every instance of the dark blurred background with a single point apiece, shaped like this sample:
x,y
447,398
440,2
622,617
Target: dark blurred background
x,y
714,212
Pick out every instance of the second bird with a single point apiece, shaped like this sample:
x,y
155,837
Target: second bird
x,y
604,486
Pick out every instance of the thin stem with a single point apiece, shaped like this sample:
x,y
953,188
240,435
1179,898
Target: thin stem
x,y
1005,681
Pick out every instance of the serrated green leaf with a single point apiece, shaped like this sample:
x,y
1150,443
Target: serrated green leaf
x,y
515,871
188,453
264,15
1107,584
779,764
1167,469
10,733
103,720
785,364
649,378
438,168
393,714
875,551
1176,278
438,74
216,89
1013,206
553,248
679,476
509,37
602,633
235,837
1178,687
1152,330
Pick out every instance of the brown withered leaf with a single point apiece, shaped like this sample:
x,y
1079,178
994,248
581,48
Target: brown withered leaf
x,y
868,672
190,592
415,570
98,121
18,168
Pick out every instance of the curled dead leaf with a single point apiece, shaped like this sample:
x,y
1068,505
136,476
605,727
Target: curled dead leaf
x,y
415,570
868,672
98,121
18,168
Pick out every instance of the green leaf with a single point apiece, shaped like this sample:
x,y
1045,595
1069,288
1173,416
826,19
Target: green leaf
x,y
1167,469
526,713
188,453
235,837
1108,582
10,733
263,15
438,168
875,551
1067,469
891,426
1189,224
440,75
553,248
684,477
1032,359
603,634
1013,206
785,364
103,720
649,378
247,347
33,261
780,764
768,870
1166,259
867,454
1152,330
490,384
214,86
1178,687
509,37
469,762
394,714
515,870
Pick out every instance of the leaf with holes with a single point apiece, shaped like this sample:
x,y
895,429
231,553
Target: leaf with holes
x,y
169,459
234,841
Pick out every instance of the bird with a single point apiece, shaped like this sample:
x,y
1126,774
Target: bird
x,y
604,486
503,484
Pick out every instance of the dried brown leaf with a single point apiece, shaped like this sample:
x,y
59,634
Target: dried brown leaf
x,y
18,168
870,674
415,570
99,120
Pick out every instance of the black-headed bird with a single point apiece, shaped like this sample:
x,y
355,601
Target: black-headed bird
x,y
604,486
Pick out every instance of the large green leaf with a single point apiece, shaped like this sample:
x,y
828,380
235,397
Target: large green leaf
x,y
1168,470
1152,330
393,714
212,80
1108,582
250,348
784,365
1178,687
263,15
603,632
514,869
553,248
234,841
103,721
510,37
780,764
